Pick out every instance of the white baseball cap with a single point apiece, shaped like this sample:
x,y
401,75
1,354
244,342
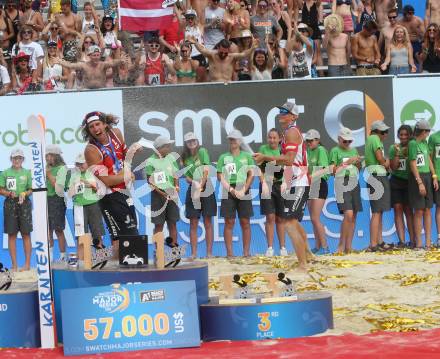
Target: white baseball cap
x,y
53,149
17,152
312,135
189,137
346,134
236,134
80,158
162,141
379,126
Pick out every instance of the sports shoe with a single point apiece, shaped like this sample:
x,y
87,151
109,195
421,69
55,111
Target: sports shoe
x,y
315,250
269,252
283,252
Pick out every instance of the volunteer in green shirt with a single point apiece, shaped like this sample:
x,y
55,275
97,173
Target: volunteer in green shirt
x,y
161,170
200,197
317,159
378,184
434,150
271,200
234,171
86,211
56,206
421,180
399,164
16,186
345,164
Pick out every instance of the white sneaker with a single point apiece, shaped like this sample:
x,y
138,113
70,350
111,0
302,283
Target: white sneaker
x,y
269,252
283,252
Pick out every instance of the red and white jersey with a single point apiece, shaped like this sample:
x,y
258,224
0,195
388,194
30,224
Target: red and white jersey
x,y
108,152
154,71
299,170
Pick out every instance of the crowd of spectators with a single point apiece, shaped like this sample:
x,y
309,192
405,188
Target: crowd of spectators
x,y
51,46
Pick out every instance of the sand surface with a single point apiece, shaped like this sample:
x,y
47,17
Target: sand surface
x,y
397,290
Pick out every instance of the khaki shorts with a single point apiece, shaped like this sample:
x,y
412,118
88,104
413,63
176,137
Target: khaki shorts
x,y
364,71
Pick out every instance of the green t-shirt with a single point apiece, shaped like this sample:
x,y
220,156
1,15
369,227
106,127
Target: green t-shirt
x,y
162,170
277,172
83,195
62,179
17,181
434,150
317,159
339,155
235,169
402,170
419,152
373,144
195,164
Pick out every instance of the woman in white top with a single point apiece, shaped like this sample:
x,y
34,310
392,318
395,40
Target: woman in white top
x,y
110,36
262,64
90,22
399,53
299,50
54,76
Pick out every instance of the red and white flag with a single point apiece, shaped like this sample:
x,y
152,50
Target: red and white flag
x,y
144,15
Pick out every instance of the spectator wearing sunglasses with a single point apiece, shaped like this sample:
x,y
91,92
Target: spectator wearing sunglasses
x,y
415,27
383,8
33,18
30,48
264,24
386,33
378,183
345,164
429,57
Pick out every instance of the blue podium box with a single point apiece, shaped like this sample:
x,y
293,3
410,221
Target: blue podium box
x,y
310,314
64,278
19,317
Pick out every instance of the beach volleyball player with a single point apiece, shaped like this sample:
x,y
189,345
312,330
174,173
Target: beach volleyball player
x,y
296,178
105,153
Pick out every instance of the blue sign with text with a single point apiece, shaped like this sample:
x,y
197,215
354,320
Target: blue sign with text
x,y
126,317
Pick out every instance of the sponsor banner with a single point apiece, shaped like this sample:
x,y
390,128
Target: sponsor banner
x,y
63,113
416,99
213,110
126,317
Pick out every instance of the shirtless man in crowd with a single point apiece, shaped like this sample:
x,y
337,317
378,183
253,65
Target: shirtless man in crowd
x,y
382,8
366,51
415,27
338,46
221,60
432,13
70,28
94,71
386,34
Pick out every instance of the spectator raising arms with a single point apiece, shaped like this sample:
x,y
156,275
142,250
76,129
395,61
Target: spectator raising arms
x,y
399,53
262,64
299,51
221,61
183,64
337,44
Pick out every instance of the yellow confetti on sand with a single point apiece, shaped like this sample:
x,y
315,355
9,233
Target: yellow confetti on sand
x,y
410,279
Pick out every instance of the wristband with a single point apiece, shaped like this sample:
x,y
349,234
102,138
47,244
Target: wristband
x,y
434,176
